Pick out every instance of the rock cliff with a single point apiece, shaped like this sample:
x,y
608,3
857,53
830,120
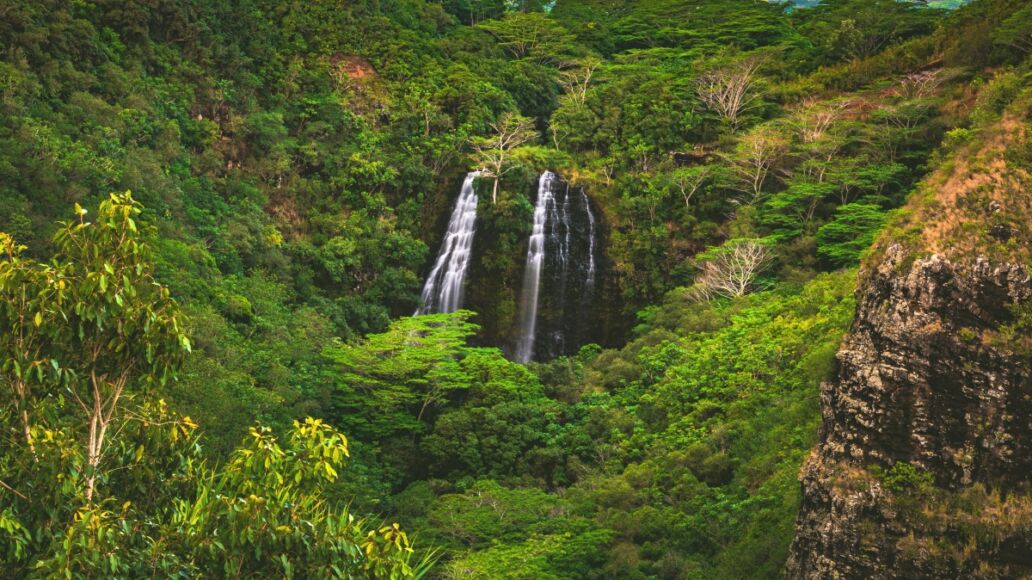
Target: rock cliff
x,y
924,465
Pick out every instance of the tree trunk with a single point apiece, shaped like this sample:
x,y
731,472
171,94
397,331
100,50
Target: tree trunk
x,y
28,434
92,453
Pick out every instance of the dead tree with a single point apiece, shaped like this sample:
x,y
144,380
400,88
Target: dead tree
x,y
732,269
730,91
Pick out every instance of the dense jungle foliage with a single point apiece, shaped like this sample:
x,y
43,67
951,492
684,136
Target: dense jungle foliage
x,y
216,217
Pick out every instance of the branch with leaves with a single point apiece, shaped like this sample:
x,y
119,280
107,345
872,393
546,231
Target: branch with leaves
x,y
93,322
492,154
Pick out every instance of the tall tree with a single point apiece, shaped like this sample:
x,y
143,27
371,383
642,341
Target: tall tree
x,y
102,324
731,270
757,154
730,91
575,78
492,153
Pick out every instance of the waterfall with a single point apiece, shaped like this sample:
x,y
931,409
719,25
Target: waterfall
x,y
443,289
557,304
564,247
590,280
543,209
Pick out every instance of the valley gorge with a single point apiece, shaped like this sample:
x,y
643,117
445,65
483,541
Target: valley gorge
x,y
516,289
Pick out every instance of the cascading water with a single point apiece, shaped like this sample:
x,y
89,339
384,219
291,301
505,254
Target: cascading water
x,y
443,290
543,209
590,281
564,219
556,313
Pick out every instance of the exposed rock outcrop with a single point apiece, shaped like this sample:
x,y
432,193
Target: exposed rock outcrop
x,y
924,466
921,383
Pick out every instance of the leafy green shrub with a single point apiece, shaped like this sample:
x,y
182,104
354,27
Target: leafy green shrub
x,y
851,231
903,477
995,95
239,308
956,138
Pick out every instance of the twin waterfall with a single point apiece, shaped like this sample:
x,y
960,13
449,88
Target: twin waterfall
x,y
443,289
559,276
544,214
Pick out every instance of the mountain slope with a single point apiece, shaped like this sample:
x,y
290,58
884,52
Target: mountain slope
x,y
923,468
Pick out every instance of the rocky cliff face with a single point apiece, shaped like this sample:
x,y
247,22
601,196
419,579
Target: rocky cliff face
x,y
924,466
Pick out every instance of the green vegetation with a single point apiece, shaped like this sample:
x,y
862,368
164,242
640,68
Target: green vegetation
x,y
675,455
215,375
101,481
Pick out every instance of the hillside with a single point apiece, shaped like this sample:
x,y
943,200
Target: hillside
x,y
485,289
922,469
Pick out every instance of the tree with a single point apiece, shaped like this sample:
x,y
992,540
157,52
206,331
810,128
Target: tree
x,y
756,155
266,510
123,329
731,269
83,336
852,231
388,381
575,78
823,137
730,91
109,325
920,85
789,212
905,119
858,29
531,35
492,154
1016,31
689,180
474,11
499,429
816,121
863,175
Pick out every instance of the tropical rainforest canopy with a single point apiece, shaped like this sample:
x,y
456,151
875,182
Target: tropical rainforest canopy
x,y
217,218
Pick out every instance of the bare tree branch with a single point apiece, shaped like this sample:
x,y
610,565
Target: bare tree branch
x,y
575,78
729,91
732,269
12,490
492,153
